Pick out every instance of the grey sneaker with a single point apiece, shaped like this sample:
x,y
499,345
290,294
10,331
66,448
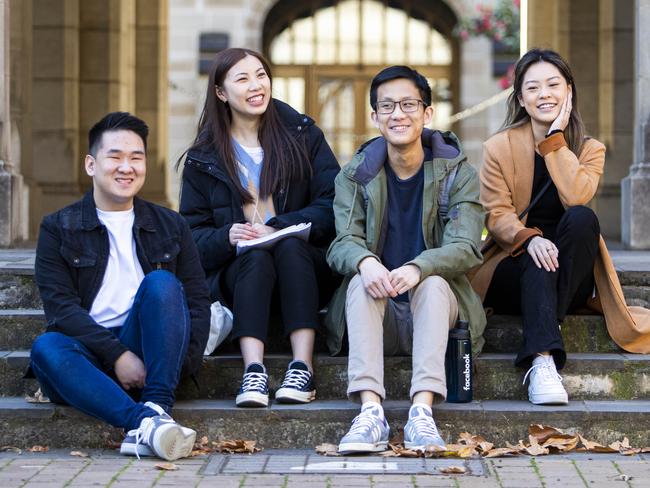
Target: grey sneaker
x,y
159,436
369,433
420,431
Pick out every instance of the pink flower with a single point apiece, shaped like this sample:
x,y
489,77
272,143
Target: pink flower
x,y
464,35
517,3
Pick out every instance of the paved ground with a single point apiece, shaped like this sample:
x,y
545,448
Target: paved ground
x,y
108,469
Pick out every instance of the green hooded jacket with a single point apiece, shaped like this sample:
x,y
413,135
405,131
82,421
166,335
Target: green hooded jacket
x,y
452,242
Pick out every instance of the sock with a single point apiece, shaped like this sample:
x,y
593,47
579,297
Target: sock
x,y
423,406
374,406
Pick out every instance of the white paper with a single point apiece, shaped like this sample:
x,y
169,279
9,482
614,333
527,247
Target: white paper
x,y
299,230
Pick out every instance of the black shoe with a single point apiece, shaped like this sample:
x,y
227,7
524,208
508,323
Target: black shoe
x,y
254,391
298,384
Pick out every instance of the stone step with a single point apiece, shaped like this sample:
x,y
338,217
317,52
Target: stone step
x,y
18,289
581,333
586,377
305,426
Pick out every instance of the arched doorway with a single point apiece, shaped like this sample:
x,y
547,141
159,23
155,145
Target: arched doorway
x,y
325,53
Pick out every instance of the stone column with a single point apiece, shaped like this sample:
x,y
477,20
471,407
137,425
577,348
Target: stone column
x,y
636,186
55,114
10,180
151,93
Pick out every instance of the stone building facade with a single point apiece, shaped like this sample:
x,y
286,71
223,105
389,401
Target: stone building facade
x,y
64,63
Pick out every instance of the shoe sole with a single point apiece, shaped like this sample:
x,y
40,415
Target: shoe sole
x,y
420,447
252,399
291,395
549,399
142,450
359,447
173,442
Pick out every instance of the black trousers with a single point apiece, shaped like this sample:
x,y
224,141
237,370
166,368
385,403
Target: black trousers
x,y
290,271
544,298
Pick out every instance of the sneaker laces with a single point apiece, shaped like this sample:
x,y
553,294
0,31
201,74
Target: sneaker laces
x,y
546,369
143,431
425,425
254,381
296,378
363,422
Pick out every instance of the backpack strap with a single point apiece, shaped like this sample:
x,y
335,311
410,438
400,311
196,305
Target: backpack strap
x,y
445,189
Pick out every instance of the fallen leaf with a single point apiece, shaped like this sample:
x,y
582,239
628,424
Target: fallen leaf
x,y
467,452
453,470
562,443
11,449
37,398
631,451
535,449
166,466
237,446
79,454
645,449
621,445
501,451
204,441
38,448
543,432
327,450
595,447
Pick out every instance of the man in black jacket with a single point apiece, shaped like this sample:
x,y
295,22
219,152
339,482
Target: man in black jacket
x,y
124,296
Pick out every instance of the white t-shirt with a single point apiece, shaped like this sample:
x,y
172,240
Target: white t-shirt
x,y
123,272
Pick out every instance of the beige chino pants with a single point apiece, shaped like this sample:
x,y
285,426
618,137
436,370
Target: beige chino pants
x,y
377,327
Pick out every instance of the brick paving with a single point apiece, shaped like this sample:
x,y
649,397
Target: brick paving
x,y
58,468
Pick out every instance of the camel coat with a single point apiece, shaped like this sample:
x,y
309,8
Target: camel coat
x,y
506,187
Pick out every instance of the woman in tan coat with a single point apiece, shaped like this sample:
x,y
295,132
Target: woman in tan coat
x,y
541,264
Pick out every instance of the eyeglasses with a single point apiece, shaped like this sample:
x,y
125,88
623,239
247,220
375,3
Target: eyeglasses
x,y
408,105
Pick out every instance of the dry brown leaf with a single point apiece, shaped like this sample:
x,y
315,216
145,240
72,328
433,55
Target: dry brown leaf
x,y
327,450
543,432
467,452
38,397
79,454
38,448
453,470
621,445
236,446
14,449
645,449
535,449
166,466
563,443
501,451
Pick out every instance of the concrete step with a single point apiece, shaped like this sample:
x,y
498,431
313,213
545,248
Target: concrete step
x,y
305,426
18,289
586,377
581,333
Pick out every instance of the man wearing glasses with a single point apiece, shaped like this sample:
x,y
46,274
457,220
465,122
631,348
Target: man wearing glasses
x,y
404,256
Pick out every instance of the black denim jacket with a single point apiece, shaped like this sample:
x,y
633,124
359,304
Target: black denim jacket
x,y
71,259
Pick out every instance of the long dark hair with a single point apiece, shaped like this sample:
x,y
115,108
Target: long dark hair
x,y
285,157
517,115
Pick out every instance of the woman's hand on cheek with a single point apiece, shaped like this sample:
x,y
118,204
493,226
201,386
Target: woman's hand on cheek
x,y
562,120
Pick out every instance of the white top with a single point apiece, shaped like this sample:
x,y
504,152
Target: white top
x,y
123,272
256,153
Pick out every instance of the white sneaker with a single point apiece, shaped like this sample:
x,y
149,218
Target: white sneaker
x,y
159,436
545,387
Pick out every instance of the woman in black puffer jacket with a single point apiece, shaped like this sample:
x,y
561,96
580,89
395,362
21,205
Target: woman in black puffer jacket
x,y
255,167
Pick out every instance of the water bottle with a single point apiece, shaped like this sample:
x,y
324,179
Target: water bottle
x,y
458,364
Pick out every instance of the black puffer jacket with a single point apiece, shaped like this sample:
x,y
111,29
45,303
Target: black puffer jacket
x,y
211,203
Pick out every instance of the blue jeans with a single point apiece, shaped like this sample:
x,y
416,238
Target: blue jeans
x,y
157,330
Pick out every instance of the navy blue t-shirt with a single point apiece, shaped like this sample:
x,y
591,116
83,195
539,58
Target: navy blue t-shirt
x,y
404,240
